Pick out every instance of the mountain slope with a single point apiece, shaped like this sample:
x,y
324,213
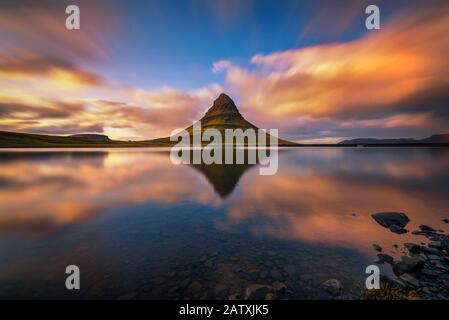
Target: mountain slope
x,y
223,115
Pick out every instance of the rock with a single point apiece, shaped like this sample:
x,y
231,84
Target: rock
x,y
409,264
270,296
445,220
412,248
397,229
290,269
382,258
279,287
263,274
235,296
387,219
195,286
436,244
393,282
431,272
377,247
333,287
424,227
432,250
410,280
257,291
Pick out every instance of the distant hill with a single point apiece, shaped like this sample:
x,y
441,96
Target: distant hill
x,y
434,139
100,137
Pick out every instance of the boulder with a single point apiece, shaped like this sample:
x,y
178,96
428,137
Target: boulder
x,y
279,287
387,219
333,287
413,248
397,229
258,291
382,258
409,264
424,227
409,280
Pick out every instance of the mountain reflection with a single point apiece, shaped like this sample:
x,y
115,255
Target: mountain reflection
x,y
318,195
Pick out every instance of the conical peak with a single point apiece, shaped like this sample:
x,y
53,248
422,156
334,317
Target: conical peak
x,y
223,104
223,99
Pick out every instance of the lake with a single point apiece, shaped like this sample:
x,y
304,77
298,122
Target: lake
x,y
140,227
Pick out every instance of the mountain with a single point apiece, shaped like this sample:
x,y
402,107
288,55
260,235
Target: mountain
x,y
434,139
223,114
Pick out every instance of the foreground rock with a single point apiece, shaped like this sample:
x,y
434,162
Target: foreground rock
x,y
423,268
265,292
395,221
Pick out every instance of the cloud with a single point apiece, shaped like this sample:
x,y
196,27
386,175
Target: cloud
x,y
22,111
39,26
221,65
400,71
67,129
330,19
29,66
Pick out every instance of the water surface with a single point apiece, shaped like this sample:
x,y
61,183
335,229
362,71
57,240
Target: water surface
x,y
140,227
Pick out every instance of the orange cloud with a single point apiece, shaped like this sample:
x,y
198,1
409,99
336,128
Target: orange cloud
x,y
31,66
38,26
377,75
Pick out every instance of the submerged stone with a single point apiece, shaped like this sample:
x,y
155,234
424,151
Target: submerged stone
x,y
387,219
333,287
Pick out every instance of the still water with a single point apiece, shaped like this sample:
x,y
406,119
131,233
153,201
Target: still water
x,y
140,227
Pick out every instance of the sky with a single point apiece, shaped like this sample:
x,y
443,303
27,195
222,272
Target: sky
x,y
140,69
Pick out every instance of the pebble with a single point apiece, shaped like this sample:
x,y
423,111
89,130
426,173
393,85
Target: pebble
x,y
279,287
333,287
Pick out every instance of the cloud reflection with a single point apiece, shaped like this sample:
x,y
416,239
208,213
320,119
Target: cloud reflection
x,y
312,198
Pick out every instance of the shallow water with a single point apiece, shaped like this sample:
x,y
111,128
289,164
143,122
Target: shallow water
x,y
140,227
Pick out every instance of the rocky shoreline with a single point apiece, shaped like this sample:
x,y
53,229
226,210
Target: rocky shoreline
x,y
422,268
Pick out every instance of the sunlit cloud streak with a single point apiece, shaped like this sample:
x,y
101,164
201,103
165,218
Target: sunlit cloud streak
x,y
378,76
